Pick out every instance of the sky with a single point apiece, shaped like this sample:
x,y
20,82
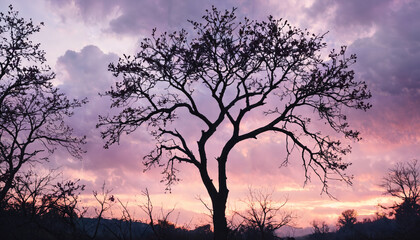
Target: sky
x,y
81,37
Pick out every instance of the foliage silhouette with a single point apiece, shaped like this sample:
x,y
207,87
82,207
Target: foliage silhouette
x,y
238,69
347,219
32,110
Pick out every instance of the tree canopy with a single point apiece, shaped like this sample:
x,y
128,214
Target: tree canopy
x,y
243,68
347,219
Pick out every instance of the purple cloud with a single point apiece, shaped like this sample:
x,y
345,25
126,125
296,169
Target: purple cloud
x,y
348,13
388,62
84,75
135,17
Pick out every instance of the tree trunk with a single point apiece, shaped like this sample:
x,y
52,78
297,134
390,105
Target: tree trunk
x,y
219,203
262,234
218,200
219,218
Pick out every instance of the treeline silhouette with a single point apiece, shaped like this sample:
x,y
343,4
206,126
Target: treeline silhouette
x,y
40,207
380,227
45,207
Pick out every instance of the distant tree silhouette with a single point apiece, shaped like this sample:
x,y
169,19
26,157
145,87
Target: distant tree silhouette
x,y
347,219
263,214
220,76
32,111
403,182
320,230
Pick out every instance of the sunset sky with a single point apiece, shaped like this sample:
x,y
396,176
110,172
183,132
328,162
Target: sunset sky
x,y
81,37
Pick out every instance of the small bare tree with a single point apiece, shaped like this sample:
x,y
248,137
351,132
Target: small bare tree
x,y
28,190
105,201
126,218
122,229
159,228
263,213
37,195
403,182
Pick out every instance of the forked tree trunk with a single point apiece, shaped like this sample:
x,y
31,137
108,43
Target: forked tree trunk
x,y
218,200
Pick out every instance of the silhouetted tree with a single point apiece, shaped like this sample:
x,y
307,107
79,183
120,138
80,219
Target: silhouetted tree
x,y
320,230
105,201
264,214
29,193
403,182
347,219
203,232
124,226
163,225
227,72
62,207
32,111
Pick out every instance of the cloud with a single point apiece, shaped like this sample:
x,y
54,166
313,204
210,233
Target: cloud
x,y
90,11
385,37
134,17
388,61
348,13
84,75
